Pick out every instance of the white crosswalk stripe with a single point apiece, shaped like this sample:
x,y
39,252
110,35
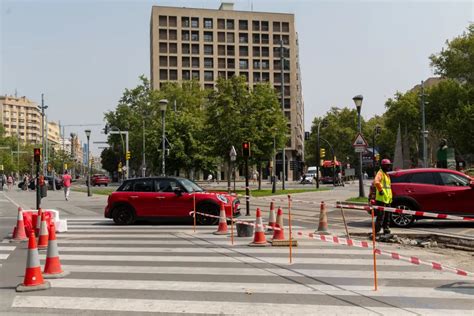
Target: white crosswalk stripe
x,y
113,268
5,251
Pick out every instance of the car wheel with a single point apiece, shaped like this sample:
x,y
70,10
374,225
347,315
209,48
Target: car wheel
x,y
123,215
207,208
402,220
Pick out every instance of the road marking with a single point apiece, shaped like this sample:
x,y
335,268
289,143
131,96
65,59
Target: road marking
x,y
7,248
4,256
11,200
394,275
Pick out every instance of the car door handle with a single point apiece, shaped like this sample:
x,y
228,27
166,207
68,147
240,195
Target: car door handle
x,y
133,197
160,197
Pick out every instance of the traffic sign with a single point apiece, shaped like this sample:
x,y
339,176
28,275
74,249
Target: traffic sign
x,y
359,149
359,141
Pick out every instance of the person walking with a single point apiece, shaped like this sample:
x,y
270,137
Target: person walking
x,y
9,183
383,196
67,184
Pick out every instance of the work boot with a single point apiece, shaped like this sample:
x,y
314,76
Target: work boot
x,y
386,231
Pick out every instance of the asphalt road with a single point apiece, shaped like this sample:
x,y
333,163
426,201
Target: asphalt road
x,y
167,268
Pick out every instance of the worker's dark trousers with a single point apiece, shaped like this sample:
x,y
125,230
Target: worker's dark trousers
x,y
383,218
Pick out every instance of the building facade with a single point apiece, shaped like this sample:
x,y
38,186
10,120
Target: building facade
x,y
21,117
204,44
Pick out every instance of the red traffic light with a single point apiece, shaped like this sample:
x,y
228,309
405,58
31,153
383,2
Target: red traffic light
x,y
37,154
246,149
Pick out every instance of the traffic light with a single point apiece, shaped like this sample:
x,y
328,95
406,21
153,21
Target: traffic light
x,y
322,152
37,155
127,156
246,149
120,167
377,157
106,129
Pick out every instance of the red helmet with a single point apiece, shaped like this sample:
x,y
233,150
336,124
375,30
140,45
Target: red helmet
x,y
386,162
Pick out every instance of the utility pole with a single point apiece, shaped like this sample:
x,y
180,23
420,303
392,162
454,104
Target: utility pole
x,y
282,62
42,108
424,132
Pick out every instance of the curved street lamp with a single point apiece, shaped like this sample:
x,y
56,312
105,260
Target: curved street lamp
x,y
358,103
88,135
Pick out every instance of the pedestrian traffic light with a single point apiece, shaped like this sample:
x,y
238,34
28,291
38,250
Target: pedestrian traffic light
x,y
106,129
127,155
37,155
322,152
246,149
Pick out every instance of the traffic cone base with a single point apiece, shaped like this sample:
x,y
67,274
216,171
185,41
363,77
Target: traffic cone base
x,y
23,288
55,275
222,228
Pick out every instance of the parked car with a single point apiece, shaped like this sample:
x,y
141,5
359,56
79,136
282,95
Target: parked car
x,y
32,184
431,190
308,178
100,179
146,198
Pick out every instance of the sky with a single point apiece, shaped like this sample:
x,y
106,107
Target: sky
x,y
83,54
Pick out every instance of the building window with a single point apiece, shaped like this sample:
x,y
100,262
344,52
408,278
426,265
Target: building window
x,y
243,51
264,39
276,39
186,75
265,76
243,64
173,61
243,25
286,39
208,63
184,22
195,62
256,51
208,37
172,21
287,104
256,25
264,26
256,77
195,49
230,63
276,52
173,74
276,27
185,62
195,36
163,34
163,20
208,23
163,61
172,35
256,64
163,48
163,74
208,49
173,48
185,35
221,63
265,64
230,50
287,91
246,75
185,48
256,38
265,52
285,27
221,49
195,74
230,37
221,24
221,37
208,76
243,38
195,22
221,74
230,24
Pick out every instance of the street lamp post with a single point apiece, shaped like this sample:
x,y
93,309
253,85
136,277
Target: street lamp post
x,y
143,157
43,107
88,135
163,103
358,103
377,130
233,157
318,145
424,132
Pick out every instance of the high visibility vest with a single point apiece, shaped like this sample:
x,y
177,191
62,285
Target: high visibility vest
x,y
386,188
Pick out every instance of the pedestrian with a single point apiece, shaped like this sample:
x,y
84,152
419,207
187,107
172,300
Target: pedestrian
x,y
67,184
4,180
9,182
26,182
383,196
209,178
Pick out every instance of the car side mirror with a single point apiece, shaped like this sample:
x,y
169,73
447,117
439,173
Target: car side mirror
x,y
178,191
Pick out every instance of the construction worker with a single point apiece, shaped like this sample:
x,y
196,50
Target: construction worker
x,y
383,196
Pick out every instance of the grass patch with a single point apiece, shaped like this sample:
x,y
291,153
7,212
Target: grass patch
x,y
358,199
268,192
100,191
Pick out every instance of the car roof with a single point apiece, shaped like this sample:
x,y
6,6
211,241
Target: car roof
x,y
418,170
158,178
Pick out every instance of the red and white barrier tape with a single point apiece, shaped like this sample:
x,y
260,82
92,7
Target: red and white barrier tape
x,y
236,221
402,211
336,240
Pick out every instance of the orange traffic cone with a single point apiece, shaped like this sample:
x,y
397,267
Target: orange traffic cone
x,y
323,221
43,234
271,220
52,267
19,234
33,280
259,239
38,222
222,229
279,232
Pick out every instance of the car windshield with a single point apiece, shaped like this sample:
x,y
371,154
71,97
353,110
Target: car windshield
x,y
191,186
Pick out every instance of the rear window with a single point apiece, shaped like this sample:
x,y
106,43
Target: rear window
x,y
423,178
454,180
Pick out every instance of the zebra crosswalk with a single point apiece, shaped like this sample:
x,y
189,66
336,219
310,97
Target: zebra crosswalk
x,y
171,269
5,250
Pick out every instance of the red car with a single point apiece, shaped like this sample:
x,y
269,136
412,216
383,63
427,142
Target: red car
x,y
99,179
146,198
432,190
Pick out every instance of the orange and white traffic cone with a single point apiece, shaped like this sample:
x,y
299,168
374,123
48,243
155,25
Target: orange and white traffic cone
x,y
279,231
222,229
19,233
43,235
271,220
33,280
259,239
52,267
323,221
38,222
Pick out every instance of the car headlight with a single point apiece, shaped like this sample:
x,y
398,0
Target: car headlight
x,y
222,198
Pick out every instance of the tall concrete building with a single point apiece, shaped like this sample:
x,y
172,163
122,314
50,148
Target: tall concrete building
x,y
21,116
204,44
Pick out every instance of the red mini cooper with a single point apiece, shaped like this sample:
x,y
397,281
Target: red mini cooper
x,y
147,198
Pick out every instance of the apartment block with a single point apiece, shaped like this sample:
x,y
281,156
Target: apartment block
x,y
205,44
21,116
